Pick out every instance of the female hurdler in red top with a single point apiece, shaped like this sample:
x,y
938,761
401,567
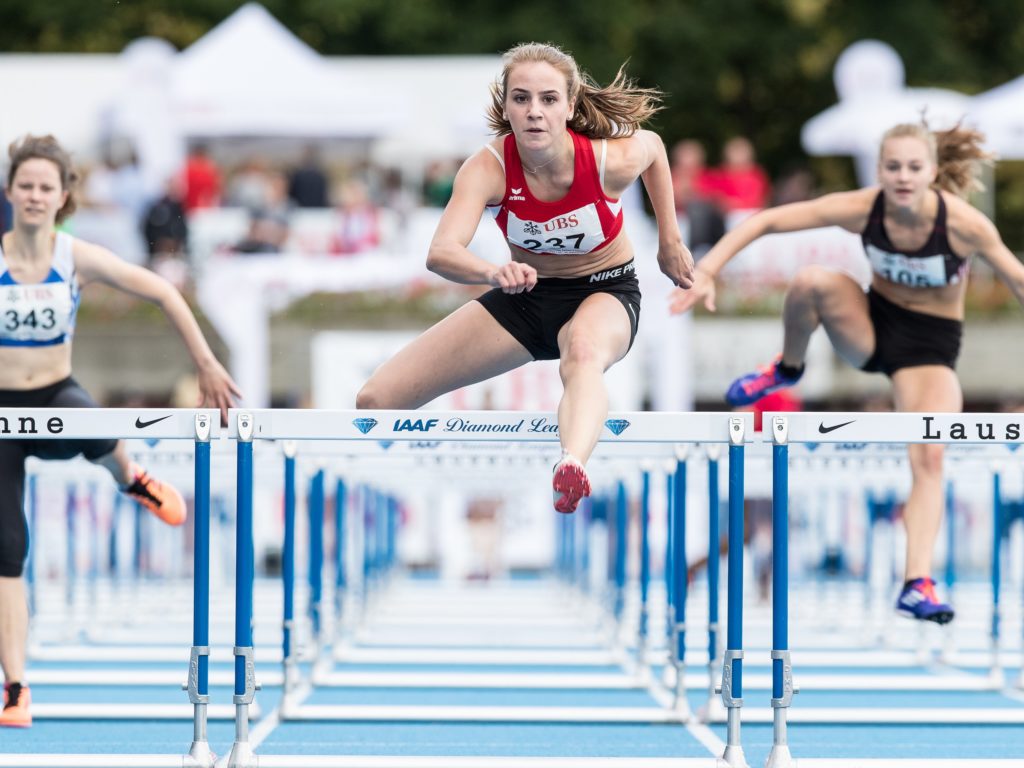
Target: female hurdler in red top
x,y
565,151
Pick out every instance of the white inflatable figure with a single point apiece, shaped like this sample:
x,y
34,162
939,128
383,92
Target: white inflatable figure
x,y
871,85
999,114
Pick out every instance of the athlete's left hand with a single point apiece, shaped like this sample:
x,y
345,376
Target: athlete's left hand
x,y
217,389
676,261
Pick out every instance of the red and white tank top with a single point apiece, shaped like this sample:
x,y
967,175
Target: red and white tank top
x,y
583,221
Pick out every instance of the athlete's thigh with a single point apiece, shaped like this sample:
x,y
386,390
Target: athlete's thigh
x,y
602,323
466,347
927,388
72,395
846,317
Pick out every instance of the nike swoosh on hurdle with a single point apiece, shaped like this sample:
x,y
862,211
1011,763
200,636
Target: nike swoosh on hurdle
x,y
825,430
140,424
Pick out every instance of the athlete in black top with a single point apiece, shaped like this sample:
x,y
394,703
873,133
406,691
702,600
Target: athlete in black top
x,y
918,233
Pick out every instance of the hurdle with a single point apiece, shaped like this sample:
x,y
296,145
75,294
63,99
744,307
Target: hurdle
x,y
856,429
247,426
199,426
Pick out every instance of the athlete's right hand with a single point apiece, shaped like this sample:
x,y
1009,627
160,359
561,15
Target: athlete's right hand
x,y
514,277
703,288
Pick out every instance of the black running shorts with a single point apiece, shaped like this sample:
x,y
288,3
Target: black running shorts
x,y
904,338
13,451
535,317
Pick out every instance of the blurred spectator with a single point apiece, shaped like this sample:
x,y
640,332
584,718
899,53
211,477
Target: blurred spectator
x,y
267,233
401,201
358,221
277,193
116,184
250,186
795,185
307,185
165,226
202,180
438,181
740,183
129,187
165,229
98,187
691,186
483,522
396,195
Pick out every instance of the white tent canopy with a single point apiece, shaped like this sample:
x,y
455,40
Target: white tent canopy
x,y
448,96
250,76
869,79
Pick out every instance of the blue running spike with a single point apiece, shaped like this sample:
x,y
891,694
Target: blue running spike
x,y
919,601
750,388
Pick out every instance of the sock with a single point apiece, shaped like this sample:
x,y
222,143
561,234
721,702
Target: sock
x,y
788,371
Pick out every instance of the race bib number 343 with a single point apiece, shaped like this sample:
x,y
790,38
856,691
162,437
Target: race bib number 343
x,y
34,312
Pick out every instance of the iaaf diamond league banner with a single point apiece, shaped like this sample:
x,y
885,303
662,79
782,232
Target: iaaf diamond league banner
x,y
488,426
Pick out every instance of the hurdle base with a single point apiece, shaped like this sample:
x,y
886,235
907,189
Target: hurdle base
x,y
713,711
996,678
733,757
668,676
681,707
242,756
200,756
780,757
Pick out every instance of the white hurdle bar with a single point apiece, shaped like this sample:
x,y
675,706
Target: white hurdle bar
x,y
147,423
852,429
247,426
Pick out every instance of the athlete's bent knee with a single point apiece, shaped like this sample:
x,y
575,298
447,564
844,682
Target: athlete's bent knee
x,y
371,397
810,281
366,398
580,352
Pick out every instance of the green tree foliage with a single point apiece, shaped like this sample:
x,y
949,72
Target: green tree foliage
x,y
755,67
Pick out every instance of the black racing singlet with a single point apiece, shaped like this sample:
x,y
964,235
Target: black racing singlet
x,y
934,265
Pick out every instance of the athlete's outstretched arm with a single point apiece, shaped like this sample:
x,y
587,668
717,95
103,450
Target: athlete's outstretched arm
x,y
96,264
674,257
478,183
984,238
849,210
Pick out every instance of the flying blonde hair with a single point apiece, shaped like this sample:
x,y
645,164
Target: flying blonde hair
x,y
616,110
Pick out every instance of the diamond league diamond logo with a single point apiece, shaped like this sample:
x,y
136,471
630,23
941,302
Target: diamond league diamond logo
x,y
617,426
364,425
